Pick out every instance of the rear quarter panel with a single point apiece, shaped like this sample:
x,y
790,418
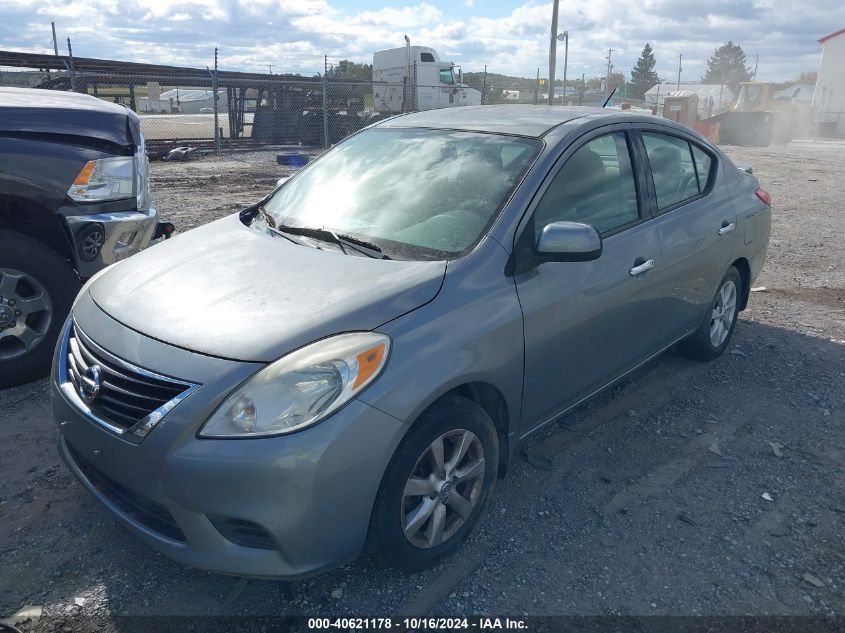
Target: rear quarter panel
x,y
754,218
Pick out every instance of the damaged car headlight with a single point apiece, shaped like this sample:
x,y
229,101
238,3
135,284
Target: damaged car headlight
x,y
105,179
302,388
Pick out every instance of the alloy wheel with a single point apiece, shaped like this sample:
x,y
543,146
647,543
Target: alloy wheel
x,y
443,489
25,313
722,316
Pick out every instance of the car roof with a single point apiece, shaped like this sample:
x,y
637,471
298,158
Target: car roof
x,y
519,119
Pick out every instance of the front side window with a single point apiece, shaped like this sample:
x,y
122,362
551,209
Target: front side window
x,y
672,169
416,193
595,186
446,77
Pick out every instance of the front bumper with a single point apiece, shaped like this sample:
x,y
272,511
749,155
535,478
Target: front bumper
x,y
307,497
119,234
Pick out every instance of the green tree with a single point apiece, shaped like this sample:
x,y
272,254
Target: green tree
x,y
727,66
350,70
808,77
643,76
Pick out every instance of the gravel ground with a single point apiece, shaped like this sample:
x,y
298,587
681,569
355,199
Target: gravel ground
x,y
692,489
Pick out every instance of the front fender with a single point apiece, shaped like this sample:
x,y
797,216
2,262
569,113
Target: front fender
x,y
471,333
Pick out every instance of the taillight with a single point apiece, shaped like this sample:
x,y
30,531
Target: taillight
x,y
765,197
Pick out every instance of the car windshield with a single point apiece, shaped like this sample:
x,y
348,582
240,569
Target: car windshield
x,y
415,193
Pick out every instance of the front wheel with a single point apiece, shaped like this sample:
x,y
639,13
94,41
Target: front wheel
x,y
436,485
37,288
715,332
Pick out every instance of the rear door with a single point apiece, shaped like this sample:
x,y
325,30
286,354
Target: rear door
x,y
587,322
695,217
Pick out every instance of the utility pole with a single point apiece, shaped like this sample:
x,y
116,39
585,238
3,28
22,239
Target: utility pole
x,y
583,86
609,69
756,63
484,86
680,67
72,72
536,86
565,63
325,102
55,41
271,68
216,123
553,51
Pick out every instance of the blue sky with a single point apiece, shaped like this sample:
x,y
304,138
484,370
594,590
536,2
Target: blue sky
x,y
510,37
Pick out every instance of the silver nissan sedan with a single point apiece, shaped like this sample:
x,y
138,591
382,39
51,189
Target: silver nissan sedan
x,y
354,359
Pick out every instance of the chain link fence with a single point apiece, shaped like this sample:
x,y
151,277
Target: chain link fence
x,y
207,113
195,111
211,112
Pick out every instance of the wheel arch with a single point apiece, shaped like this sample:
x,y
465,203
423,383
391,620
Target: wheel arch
x,y
744,269
493,402
28,217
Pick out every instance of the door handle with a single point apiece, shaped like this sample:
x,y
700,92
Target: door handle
x,y
727,228
639,269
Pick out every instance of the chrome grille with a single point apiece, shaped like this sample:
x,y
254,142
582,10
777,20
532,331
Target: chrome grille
x,y
129,399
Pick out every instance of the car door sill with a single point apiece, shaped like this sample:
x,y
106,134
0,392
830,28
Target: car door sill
x,y
605,386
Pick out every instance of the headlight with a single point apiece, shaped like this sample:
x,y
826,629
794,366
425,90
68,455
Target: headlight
x,y
105,179
301,388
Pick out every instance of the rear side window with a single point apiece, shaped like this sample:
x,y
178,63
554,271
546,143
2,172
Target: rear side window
x,y
595,186
703,163
672,169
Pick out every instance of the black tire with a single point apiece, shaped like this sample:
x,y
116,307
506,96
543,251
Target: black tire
x,y
386,537
700,345
58,278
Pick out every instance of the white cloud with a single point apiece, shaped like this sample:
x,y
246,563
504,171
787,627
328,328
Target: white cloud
x,y
294,35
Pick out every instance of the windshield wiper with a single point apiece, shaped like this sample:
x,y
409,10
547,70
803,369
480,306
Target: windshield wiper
x,y
365,248
271,226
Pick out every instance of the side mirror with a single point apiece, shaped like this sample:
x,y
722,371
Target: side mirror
x,y
569,242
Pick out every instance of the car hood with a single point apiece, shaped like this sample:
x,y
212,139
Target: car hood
x,y
227,290
68,113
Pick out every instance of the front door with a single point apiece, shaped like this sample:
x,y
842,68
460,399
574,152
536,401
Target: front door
x,y
586,323
448,91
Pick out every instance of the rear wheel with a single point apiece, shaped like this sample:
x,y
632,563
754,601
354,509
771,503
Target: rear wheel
x,y
37,288
715,332
436,485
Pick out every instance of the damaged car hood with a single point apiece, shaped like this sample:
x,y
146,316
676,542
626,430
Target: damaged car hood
x,y
230,291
